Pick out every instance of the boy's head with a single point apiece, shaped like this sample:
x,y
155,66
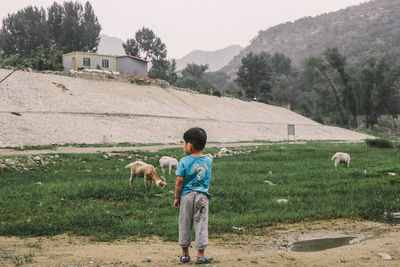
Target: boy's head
x,y
197,137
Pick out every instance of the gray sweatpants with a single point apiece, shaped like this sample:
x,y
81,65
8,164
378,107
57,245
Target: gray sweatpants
x,y
193,212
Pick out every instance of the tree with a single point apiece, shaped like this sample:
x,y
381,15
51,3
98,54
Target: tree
x,y
338,62
254,76
326,71
54,21
146,45
90,29
193,78
79,27
131,47
22,32
378,82
165,70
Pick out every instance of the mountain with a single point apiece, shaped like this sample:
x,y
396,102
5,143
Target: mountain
x,y
110,46
369,28
215,59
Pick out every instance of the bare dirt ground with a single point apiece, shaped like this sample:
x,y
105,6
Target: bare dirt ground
x,y
267,247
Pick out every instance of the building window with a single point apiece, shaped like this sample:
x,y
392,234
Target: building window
x,y
104,63
86,61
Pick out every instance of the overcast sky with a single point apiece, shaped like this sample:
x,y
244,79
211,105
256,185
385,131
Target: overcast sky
x,y
187,25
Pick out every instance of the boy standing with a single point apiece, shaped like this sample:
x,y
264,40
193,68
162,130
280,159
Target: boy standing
x,y
191,194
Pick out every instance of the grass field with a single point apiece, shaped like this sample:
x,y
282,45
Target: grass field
x,y
86,194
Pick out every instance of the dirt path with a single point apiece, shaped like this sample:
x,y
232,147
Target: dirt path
x,y
66,150
267,248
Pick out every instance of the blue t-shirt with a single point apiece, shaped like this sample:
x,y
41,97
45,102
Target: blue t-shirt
x,y
197,174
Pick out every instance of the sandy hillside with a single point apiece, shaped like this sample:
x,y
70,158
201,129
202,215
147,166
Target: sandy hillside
x,y
58,109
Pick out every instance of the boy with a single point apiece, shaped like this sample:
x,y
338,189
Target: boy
x,y
191,194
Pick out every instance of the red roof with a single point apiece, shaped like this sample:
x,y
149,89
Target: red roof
x,y
133,57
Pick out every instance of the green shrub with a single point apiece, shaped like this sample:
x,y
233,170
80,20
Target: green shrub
x,y
379,142
217,93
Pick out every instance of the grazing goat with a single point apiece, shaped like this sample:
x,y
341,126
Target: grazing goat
x,y
169,162
341,157
147,171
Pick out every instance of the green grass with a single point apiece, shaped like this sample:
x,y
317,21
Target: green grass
x,y
85,194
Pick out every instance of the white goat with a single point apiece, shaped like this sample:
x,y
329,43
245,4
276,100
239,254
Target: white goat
x,y
341,157
147,171
169,162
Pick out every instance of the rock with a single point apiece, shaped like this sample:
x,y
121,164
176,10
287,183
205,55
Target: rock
x,y
129,157
394,215
269,182
37,158
105,156
282,200
147,259
223,150
238,228
392,173
385,256
3,167
21,148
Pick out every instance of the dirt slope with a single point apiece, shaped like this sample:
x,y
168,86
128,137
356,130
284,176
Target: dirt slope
x,y
45,109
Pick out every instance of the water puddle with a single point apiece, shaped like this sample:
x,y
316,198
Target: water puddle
x,y
320,244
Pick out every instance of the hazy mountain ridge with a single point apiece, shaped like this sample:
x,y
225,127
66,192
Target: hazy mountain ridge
x,y
369,28
215,59
110,46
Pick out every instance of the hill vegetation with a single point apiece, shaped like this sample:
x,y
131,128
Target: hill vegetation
x,y
372,28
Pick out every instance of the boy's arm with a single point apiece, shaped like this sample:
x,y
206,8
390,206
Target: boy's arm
x,y
178,190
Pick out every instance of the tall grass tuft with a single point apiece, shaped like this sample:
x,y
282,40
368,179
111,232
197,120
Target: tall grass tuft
x,y
379,142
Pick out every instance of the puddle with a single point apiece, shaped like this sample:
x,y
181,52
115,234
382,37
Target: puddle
x,y
320,244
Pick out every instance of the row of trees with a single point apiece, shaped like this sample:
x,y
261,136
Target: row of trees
x,y
326,87
46,34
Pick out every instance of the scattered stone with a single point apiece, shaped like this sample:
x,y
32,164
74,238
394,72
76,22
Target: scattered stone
x,y
238,228
165,194
392,173
385,256
394,215
21,148
129,157
147,259
37,158
282,200
105,156
3,167
223,150
39,183
269,182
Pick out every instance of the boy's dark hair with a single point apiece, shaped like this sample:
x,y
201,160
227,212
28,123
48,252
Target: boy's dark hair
x,y
197,137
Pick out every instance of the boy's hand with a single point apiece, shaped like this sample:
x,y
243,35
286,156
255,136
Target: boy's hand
x,y
177,201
